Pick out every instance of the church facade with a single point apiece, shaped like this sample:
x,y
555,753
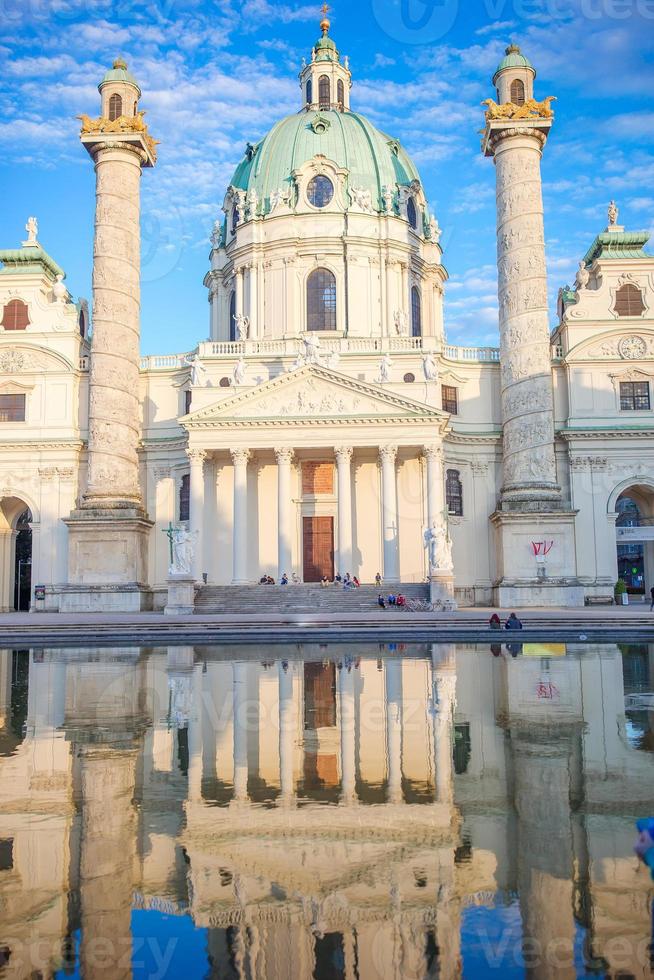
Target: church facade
x,y
327,425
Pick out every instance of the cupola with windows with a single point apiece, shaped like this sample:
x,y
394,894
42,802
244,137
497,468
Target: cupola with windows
x,y
326,82
119,91
514,77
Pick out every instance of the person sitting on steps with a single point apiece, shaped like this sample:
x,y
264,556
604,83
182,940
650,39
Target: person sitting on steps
x,y
381,602
284,580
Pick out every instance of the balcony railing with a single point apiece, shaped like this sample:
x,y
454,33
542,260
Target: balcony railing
x,y
483,354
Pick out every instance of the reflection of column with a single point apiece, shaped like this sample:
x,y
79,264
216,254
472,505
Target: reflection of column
x,y
6,660
196,494
445,698
387,457
240,732
348,735
344,471
284,524
286,732
195,737
542,768
107,851
393,679
240,459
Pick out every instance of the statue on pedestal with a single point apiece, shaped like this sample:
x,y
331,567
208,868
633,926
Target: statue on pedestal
x,y
439,544
182,550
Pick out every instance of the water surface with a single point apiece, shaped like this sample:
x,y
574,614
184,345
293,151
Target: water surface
x,y
325,811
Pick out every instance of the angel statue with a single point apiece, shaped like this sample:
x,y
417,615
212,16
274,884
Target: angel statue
x,y
401,322
613,213
32,230
198,372
242,325
183,550
238,375
429,366
439,546
385,366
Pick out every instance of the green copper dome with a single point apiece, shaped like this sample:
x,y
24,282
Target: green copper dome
x,y
513,58
119,73
348,139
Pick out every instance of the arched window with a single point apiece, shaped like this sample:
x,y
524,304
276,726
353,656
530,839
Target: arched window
x,y
115,107
340,89
15,315
629,301
234,219
324,92
309,92
82,324
232,316
454,493
517,92
416,313
185,498
412,213
321,300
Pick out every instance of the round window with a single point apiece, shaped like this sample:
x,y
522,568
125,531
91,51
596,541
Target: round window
x,y
412,213
320,191
409,378
224,383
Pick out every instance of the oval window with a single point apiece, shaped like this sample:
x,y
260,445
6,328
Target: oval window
x,y
320,191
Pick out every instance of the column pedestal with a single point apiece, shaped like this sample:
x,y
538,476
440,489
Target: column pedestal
x,y
181,595
441,588
107,562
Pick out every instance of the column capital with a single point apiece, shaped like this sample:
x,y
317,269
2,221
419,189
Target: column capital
x,y
343,455
387,454
240,457
284,455
196,456
161,473
433,451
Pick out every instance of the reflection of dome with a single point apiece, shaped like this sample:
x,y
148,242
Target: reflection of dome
x,y
348,139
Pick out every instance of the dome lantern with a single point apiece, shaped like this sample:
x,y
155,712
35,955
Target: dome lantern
x,y
514,77
326,82
119,92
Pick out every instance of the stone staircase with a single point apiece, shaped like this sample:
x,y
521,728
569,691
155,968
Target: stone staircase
x,y
279,599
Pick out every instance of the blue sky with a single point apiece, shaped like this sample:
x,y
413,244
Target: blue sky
x,y
217,73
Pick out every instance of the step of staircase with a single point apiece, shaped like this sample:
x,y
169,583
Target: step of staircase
x,y
233,599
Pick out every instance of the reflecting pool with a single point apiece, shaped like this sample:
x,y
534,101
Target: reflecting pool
x,y
325,812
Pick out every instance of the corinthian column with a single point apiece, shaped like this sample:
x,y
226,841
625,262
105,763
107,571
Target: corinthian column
x,y
240,459
107,535
527,400
387,457
344,473
284,459
196,500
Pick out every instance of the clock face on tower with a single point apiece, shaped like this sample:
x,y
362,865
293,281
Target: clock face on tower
x,y
632,348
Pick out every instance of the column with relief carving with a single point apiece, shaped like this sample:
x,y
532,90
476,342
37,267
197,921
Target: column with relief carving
x,y
108,533
530,506
344,478
196,509
284,459
240,458
390,538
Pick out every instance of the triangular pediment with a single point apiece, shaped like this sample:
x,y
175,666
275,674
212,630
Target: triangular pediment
x,y
314,393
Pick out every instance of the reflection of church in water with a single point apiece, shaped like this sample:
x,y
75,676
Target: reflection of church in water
x,y
323,817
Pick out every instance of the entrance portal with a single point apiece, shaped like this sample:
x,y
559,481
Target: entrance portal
x,y
318,548
23,563
635,536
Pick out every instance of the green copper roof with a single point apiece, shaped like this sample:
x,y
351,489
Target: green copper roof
x,y
513,58
618,245
30,259
349,140
325,49
119,73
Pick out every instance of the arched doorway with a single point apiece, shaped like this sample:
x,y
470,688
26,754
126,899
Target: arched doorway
x,y
635,538
15,555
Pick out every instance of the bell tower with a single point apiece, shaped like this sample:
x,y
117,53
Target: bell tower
x,y
325,81
108,533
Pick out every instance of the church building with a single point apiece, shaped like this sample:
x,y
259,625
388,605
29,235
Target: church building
x,y
327,425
